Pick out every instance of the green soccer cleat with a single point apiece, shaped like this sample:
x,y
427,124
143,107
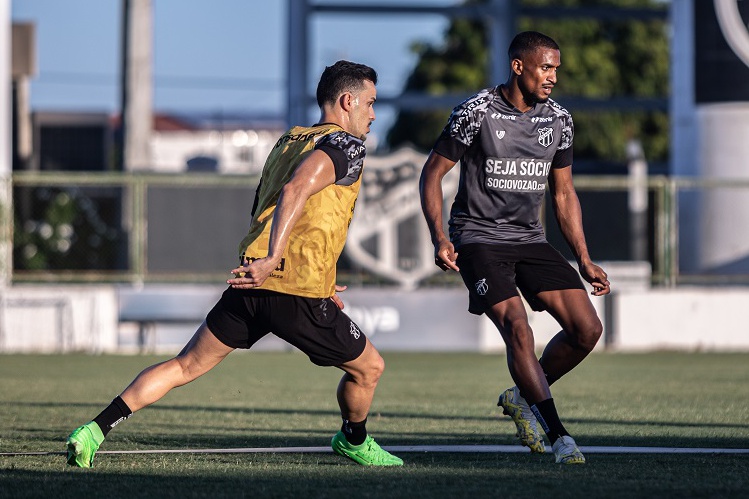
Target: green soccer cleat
x,y
367,454
566,451
83,444
517,408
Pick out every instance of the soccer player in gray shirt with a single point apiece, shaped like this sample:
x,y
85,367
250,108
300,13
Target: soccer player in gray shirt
x,y
512,140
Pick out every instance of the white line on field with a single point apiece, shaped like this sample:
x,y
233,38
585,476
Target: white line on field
x,y
507,449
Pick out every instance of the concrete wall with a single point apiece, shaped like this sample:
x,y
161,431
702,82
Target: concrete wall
x,y
58,319
69,318
682,319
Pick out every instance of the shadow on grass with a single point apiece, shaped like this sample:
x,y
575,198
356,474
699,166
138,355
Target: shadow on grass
x,y
200,438
279,430
263,482
389,414
424,475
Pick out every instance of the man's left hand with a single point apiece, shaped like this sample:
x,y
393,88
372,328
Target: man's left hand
x,y
337,299
597,278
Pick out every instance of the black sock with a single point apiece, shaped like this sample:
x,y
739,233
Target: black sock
x,y
546,414
115,413
355,433
550,379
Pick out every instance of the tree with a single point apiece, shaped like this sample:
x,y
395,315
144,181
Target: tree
x,y
601,59
66,229
457,66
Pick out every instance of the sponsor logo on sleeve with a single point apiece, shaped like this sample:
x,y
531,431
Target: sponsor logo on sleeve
x,y
354,330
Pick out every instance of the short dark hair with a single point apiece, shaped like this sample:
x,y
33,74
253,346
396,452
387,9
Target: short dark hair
x,y
526,42
341,77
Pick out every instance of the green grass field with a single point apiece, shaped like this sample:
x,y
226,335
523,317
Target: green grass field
x,y
281,399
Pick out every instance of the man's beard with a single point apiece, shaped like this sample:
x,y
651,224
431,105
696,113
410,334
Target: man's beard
x,y
531,99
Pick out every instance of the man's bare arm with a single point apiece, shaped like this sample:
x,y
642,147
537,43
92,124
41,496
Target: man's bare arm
x,y
430,189
314,174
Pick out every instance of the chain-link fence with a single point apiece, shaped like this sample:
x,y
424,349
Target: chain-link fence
x,y
114,227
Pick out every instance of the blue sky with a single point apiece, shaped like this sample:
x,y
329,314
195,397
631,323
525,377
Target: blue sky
x,y
209,55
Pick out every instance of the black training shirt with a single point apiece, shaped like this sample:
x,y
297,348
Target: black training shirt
x,y
505,157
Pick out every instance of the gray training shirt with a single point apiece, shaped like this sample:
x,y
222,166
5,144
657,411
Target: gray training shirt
x,y
505,158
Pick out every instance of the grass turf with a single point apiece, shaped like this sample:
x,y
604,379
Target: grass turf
x,y
280,399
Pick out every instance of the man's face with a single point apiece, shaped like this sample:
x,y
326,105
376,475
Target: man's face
x,y
539,75
362,112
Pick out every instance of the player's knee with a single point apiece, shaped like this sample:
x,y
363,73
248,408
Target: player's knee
x,y
376,368
189,367
589,334
367,369
519,337
371,372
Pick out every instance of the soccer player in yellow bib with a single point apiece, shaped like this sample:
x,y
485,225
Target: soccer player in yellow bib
x,y
285,282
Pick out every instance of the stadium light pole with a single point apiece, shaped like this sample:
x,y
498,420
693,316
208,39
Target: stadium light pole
x,y
502,15
498,14
6,193
136,113
297,66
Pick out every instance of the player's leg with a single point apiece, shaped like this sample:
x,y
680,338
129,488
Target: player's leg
x,y
357,386
231,324
488,272
201,354
330,338
546,279
581,330
511,320
355,393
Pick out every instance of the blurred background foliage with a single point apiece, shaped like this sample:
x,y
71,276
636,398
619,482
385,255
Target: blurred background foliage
x,y
601,59
67,228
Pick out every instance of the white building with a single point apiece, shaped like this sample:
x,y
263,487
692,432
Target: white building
x,y
229,145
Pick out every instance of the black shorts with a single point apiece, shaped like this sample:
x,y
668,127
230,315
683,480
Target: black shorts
x,y
316,326
494,272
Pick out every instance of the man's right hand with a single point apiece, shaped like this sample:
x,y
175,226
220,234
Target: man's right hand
x,y
445,256
252,274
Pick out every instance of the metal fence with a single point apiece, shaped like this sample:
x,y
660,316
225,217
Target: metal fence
x,y
117,227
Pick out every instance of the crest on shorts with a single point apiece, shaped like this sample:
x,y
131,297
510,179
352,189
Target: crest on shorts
x,y
354,330
482,287
545,136
388,235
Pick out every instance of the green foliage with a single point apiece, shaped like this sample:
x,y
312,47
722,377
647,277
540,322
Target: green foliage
x,y
64,229
601,59
459,65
